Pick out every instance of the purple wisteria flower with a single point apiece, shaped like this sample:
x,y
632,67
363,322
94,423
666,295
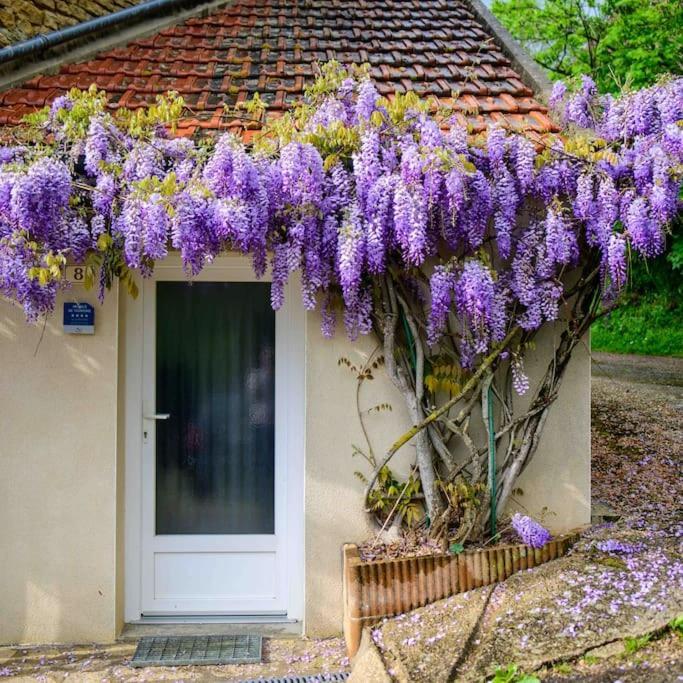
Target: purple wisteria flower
x,y
392,199
557,94
40,199
615,547
367,100
478,306
530,532
616,260
442,284
98,147
520,380
9,154
59,103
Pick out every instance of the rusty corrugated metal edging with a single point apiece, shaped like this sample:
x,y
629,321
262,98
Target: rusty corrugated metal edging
x,y
385,588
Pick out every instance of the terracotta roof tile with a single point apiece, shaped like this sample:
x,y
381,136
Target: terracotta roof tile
x,y
433,47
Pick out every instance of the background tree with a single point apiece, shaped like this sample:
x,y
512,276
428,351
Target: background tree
x,y
616,42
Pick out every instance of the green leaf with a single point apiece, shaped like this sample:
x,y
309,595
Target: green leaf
x,y
511,674
632,645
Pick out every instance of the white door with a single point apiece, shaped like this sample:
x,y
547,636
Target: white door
x,y
221,392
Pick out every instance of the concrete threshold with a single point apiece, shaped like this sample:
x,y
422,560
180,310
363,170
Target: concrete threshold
x,y
267,629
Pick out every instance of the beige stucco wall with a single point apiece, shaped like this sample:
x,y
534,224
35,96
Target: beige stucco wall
x,y
556,485
61,488
334,495
58,483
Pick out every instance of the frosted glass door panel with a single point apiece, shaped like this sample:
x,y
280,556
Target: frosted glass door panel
x,y
215,376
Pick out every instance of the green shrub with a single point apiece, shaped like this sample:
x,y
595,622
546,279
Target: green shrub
x,y
647,325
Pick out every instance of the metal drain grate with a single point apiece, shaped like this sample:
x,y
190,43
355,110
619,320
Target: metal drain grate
x,y
316,678
189,650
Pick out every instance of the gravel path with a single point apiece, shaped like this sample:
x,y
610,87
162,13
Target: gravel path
x,y
663,375
637,433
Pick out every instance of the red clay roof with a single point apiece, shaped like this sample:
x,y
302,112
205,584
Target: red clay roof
x,y
434,47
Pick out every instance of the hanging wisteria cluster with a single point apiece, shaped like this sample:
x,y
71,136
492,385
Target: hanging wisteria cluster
x,y
410,191
529,531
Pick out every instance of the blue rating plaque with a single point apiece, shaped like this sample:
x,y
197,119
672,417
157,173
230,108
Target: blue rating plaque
x,y
79,318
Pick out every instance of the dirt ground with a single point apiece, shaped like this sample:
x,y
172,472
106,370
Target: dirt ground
x,y
88,663
637,433
637,438
637,463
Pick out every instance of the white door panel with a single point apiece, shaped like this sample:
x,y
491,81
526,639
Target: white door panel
x,y
184,571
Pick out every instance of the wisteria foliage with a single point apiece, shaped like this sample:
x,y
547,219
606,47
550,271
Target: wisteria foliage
x,y
385,208
410,191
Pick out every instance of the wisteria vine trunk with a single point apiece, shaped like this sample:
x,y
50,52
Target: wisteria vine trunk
x,y
445,448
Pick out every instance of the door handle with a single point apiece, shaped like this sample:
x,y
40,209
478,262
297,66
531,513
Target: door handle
x,y
158,416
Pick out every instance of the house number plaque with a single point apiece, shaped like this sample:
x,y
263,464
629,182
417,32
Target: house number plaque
x,y
75,274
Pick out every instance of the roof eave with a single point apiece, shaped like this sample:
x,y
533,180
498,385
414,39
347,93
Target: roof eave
x,y
13,74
